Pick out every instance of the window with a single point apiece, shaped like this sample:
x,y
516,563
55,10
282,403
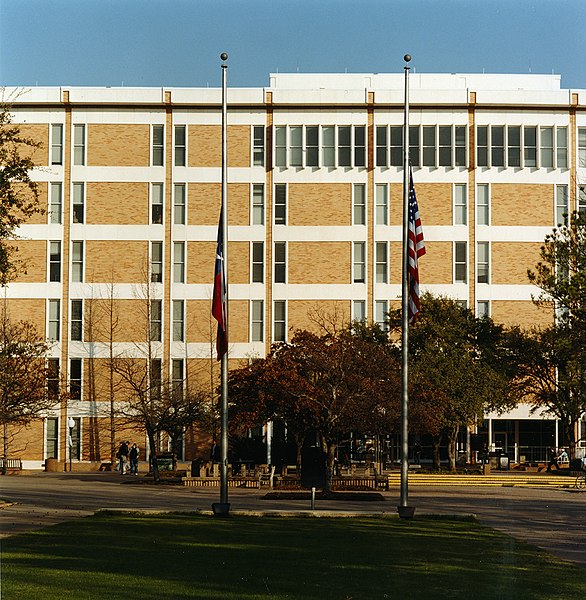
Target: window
x,y
258,146
157,203
381,146
75,378
281,204
546,148
258,204
180,145
77,262
482,204
257,320
179,262
52,438
56,203
497,146
177,369
482,146
312,146
429,144
158,145
359,262
414,138
53,378
463,304
359,146
380,314
514,146
344,146
178,321
562,148
561,205
156,320
530,146
258,262
280,146
55,261
483,309
329,146
78,205
460,204
156,262
482,262
280,270
296,146
445,146
382,263
77,320
460,146
582,198
156,377
79,145
396,138
279,321
460,262
382,204
582,147
359,202
179,204
57,144
54,321
359,310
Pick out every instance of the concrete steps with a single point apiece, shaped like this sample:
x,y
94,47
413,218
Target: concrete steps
x,y
494,480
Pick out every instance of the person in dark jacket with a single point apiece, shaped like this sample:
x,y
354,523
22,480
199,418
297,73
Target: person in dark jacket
x,y
133,456
123,457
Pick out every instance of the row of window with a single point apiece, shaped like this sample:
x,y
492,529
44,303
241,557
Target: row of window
x,y
512,146
359,207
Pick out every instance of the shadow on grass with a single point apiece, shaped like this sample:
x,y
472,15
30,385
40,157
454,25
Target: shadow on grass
x,y
180,556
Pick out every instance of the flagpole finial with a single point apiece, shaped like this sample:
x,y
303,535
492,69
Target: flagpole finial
x,y
224,56
407,58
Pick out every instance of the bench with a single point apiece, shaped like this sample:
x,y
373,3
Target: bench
x,y
12,464
266,478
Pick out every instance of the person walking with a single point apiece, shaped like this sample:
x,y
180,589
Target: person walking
x,y
553,460
123,457
133,456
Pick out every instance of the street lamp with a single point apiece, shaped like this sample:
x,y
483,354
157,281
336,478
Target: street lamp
x,y
71,424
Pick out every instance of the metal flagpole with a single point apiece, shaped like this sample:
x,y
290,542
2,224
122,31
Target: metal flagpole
x,y
403,508
224,506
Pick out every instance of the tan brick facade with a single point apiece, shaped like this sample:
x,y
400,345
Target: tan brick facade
x,y
124,203
32,255
118,145
205,146
510,261
522,204
116,261
333,201
434,200
319,262
520,312
312,314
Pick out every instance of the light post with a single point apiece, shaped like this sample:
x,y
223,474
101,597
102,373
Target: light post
x,y
71,425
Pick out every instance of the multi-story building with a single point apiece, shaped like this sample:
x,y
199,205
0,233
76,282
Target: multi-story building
x,y
131,178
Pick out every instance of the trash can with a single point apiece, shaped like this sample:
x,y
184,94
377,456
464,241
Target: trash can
x,y
52,465
503,462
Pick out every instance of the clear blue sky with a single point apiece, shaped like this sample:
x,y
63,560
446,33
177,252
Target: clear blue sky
x,y
178,42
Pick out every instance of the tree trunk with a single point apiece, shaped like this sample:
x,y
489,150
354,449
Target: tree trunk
x,y
329,449
153,457
452,440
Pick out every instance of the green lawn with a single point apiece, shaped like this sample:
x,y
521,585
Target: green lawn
x,y
114,556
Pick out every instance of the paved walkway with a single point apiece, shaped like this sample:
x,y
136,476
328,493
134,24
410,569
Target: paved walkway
x,y
550,518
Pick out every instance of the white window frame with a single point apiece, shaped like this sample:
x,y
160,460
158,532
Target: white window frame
x,y
483,266
178,316
460,194
78,200
359,262
581,148
156,148
562,205
55,250
359,310
156,275
381,250
279,324
256,321
180,208
257,268
56,203
381,199
484,311
79,146
359,204
483,204
77,262
281,265
54,320
282,206
77,381
257,211
457,262
178,147
76,323
258,152
179,259
56,144
157,202
381,308
155,320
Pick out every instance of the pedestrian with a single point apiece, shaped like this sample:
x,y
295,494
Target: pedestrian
x,y
122,457
215,452
417,452
133,456
553,460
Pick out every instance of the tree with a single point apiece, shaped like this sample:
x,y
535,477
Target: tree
x,y
23,377
18,193
554,358
457,370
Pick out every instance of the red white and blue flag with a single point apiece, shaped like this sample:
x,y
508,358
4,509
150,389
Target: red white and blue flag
x,y
219,308
415,249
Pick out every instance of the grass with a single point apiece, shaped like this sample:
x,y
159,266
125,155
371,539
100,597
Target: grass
x,y
114,556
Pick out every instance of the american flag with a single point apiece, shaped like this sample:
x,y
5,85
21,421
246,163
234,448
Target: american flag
x,y
415,249
219,308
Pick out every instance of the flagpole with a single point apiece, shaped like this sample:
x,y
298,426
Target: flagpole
x,y
224,506
403,508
